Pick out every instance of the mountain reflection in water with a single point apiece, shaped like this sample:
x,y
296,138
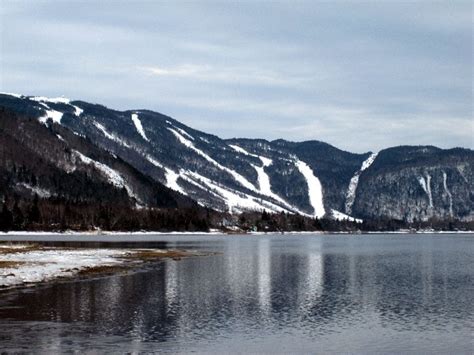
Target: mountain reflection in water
x,y
263,294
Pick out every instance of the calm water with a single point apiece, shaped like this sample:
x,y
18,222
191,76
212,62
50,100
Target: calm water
x,y
310,293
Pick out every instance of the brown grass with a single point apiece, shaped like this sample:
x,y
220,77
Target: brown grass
x,y
9,264
150,254
103,269
10,248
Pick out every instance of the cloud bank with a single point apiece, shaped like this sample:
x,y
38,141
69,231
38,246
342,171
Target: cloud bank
x,y
359,76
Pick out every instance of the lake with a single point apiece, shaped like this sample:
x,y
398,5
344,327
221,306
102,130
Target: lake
x,y
266,293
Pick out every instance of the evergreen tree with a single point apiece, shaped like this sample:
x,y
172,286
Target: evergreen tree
x,y
18,218
6,218
34,214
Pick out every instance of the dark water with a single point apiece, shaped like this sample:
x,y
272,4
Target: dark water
x,y
311,294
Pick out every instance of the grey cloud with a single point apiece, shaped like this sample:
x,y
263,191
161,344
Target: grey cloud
x,y
360,76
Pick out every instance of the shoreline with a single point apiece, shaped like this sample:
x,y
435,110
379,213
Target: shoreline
x,y
217,233
30,264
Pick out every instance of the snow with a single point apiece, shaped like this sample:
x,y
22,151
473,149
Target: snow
x,y
241,150
139,127
199,186
12,94
113,177
184,133
154,162
339,216
50,113
426,186
60,138
422,182
369,161
56,100
43,193
450,196
266,161
239,178
315,190
44,265
354,182
170,175
53,100
245,152
264,179
77,110
172,181
236,201
265,185
110,136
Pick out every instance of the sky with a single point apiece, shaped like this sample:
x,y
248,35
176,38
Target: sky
x,y
362,76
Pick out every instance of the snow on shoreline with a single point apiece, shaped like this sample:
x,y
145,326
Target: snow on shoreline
x,y
32,266
105,235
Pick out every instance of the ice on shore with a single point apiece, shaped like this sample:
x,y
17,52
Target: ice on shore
x,y
43,265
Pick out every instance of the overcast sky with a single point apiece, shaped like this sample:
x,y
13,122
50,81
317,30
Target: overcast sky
x,y
361,76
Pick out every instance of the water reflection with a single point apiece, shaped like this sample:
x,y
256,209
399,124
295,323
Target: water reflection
x,y
264,294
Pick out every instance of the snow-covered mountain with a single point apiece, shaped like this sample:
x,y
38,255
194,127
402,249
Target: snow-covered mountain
x,y
310,178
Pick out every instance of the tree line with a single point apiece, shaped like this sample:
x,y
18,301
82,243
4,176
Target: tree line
x,y
59,214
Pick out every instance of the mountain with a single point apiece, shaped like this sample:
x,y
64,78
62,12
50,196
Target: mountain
x,y
309,178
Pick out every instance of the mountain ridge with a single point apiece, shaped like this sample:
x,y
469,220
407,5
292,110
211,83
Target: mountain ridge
x,y
312,178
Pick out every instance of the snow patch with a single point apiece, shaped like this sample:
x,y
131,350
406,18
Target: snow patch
x,y
53,114
264,179
77,110
184,133
239,178
460,169
170,175
43,193
242,150
369,161
154,162
18,96
110,136
315,190
339,216
450,197
422,182
53,100
172,181
266,188
426,186
50,114
113,177
236,201
354,182
139,127
266,161
43,265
